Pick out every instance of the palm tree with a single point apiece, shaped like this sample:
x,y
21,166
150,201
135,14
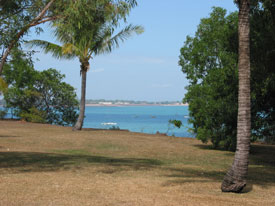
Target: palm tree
x,y
101,41
235,179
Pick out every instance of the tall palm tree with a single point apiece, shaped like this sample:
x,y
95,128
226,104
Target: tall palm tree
x,y
102,40
235,179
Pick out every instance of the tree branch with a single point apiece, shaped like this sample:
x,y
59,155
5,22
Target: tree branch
x,y
34,22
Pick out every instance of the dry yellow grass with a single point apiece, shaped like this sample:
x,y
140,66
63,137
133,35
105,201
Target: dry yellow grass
x,y
51,165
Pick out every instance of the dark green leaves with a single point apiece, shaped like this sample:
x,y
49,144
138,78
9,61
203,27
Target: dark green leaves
x,y
210,63
209,60
38,96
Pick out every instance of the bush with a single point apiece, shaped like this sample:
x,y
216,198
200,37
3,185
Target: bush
x,y
3,113
38,96
114,128
33,115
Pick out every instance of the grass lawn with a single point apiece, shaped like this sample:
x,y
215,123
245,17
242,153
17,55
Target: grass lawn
x,y
51,165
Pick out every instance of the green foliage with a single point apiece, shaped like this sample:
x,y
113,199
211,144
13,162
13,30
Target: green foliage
x,y
176,123
262,65
114,128
3,86
18,16
210,60
15,15
38,96
172,124
58,98
89,29
3,113
33,115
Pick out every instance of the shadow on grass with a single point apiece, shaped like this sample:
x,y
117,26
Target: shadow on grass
x,y
261,169
204,146
187,175
7,136
262,164
262,155
210,147
39,162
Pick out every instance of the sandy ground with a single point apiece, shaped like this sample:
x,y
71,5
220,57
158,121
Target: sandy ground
x,y
51,165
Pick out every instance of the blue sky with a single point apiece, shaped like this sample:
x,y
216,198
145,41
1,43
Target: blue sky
x,y
145,67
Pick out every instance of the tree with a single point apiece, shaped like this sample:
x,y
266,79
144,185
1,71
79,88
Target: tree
x,y
209,61
235,179
38,96
262,69
18,16
9,19
93,36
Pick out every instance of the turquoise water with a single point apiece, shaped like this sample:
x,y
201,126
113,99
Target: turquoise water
x,y
145,119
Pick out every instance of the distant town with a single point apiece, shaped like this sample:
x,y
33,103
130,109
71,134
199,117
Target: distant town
x,y
103,102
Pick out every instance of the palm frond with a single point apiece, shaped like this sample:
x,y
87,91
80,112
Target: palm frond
x,y
48,47
61,34
132,3
109,42
70,49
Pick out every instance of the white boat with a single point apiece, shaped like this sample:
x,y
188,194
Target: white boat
x,y
109,123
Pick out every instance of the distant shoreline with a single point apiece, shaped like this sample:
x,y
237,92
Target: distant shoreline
x,y
129,105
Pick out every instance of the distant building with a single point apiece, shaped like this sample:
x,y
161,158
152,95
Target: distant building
x,y
105,103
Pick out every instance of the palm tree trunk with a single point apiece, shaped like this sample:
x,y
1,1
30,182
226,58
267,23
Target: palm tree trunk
x,y
84,69
235,179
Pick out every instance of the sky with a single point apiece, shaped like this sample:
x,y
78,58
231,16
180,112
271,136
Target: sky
x,y
144,67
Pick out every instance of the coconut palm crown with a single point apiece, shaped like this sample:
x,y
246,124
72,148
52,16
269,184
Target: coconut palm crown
x,y
92,36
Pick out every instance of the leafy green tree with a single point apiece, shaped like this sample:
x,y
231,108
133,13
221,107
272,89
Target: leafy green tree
x,y
90,32
209,61
235,178
57,99
38,96
262,69
16,17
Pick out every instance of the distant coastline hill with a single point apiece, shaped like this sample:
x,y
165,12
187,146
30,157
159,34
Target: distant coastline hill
x,y
103,102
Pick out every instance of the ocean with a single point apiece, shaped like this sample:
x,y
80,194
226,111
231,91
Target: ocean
x,y
144,119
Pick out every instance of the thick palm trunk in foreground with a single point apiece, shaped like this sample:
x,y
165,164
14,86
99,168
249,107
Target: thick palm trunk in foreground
x,y
84,69
235,179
